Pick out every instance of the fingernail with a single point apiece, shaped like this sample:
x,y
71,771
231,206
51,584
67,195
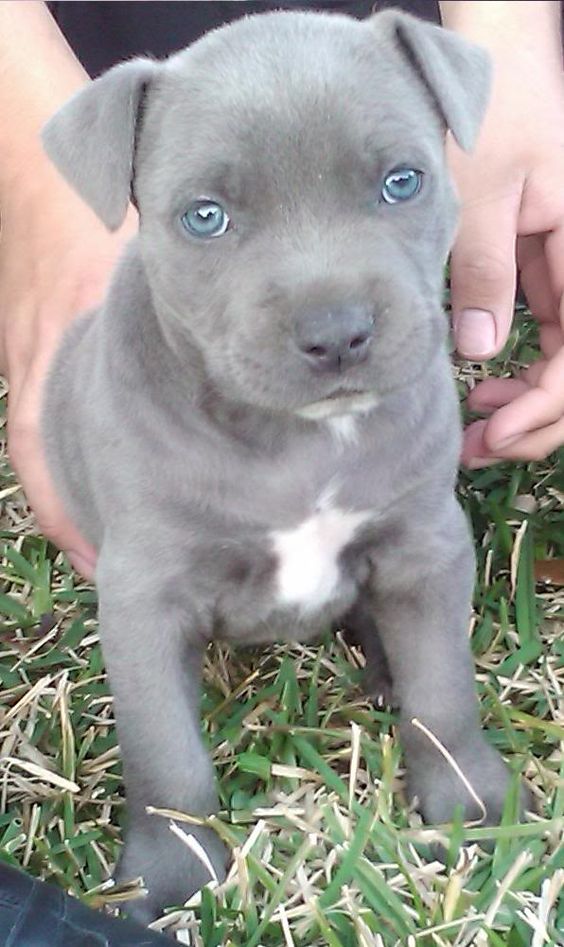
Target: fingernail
x,y
506,442
474,330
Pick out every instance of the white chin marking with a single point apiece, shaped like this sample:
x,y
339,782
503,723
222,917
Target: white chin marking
x,y
339,407
308,570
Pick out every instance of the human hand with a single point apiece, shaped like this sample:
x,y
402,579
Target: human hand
x,y
513,222
55,260
526,414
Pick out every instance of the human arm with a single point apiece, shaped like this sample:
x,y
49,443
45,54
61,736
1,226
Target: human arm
x,y
55,256
513,222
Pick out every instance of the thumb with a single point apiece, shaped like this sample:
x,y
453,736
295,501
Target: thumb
x,y
484,274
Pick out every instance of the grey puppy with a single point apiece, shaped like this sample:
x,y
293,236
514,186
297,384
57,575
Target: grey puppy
x,y
259,430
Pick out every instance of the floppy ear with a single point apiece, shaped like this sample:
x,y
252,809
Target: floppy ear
x,y
92,138
456,73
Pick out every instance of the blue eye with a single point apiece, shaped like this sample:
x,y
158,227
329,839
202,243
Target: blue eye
x,y
205,219
401,185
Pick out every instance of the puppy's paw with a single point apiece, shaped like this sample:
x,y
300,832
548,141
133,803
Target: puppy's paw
x,y
377,682
378,685
478,785
171,870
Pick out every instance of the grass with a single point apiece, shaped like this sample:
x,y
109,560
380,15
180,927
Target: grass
x,y
310,774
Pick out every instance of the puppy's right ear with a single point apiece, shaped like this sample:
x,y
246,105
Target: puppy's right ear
x,y
91,140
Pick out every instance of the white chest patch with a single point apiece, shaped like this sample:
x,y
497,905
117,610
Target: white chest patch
x,y
308,568
344,429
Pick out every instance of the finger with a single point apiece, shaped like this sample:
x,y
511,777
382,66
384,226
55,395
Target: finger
x,y
49,511
85,565
533,374
495,392
552,379
483,275
474,447
28,459
535,445
551,339
535,277
537,408
554,249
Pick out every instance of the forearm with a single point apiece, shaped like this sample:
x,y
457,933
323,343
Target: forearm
x,y
38,72
520,31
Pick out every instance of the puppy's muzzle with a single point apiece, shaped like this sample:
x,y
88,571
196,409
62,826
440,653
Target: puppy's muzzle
x,y
334,339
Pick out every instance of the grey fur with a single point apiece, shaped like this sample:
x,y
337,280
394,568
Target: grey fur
x,y
179,417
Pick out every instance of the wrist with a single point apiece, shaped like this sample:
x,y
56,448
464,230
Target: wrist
x,y
516,34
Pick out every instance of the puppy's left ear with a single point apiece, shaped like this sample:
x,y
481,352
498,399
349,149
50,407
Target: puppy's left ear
x,y
456,72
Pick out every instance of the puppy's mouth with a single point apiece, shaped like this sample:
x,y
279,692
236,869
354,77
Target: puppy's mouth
x,y
340,402
344,393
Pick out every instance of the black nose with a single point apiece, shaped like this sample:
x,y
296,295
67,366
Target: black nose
x,y
334,339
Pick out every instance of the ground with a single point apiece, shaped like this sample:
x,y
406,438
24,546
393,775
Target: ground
x,y
310,774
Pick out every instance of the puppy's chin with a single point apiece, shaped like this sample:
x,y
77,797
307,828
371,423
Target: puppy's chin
x,y
339,406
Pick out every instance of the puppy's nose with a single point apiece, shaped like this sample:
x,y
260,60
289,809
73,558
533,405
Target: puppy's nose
x,y
334,339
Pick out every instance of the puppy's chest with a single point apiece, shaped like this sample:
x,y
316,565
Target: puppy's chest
x,y
299,546
309,567
304,573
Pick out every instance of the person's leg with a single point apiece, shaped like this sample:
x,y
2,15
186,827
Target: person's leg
x,y
33,914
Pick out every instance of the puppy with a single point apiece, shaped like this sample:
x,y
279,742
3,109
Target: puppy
x,y
259,430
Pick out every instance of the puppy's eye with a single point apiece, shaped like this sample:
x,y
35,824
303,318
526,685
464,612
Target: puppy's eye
x,y
401,185
205,219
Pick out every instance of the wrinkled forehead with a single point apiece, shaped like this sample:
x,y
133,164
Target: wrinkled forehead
x,y
269,94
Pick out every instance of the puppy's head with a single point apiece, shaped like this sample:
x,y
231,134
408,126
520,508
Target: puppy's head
x,y
295,207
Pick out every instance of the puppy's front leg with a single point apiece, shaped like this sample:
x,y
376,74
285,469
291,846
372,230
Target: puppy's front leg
x,y
423,589
154,664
